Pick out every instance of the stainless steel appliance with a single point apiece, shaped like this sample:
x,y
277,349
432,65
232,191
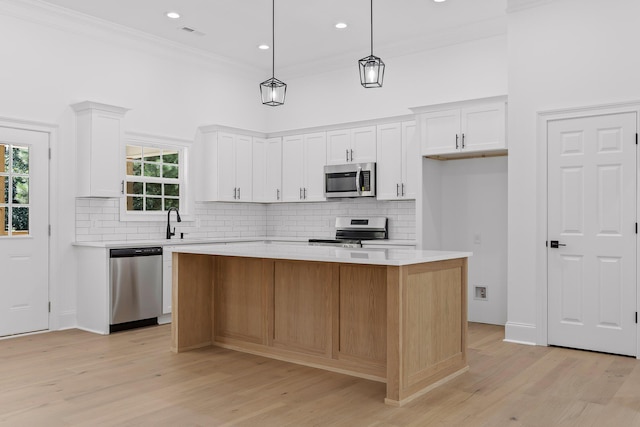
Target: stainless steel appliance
x,y
350,180
135,287
350,231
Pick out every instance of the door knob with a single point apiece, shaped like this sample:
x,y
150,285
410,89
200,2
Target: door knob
x,y
555,244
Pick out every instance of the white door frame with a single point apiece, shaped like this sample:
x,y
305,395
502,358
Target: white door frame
x,y
53,210
543,119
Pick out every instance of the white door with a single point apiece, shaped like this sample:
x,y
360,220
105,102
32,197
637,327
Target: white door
x,y
24,235
592,217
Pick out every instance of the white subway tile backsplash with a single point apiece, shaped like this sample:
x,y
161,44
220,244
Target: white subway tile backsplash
x,y
99,219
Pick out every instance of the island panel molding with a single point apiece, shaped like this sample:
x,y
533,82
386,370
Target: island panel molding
x,y
404,325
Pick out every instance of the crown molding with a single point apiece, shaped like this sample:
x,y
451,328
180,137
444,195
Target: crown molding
x,y
519,5
462,34
42,13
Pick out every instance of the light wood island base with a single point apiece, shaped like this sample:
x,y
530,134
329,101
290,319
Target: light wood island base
x,y
402,325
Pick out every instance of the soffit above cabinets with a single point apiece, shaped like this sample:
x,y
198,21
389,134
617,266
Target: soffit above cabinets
x,y
306,38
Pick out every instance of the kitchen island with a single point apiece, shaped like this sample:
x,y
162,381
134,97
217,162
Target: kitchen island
x,y
392,315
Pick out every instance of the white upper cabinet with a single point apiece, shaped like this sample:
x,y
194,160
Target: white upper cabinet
x,y
398,158
267,170
474,128
356,145
99,134
224,166
303,160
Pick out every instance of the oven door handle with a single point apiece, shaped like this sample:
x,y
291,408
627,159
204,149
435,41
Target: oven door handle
x,y
358,176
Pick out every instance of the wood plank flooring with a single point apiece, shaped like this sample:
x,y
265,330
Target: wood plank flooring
x,y
75,378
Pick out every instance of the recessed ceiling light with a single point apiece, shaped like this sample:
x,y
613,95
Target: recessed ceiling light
x,y
438,1
173,15
341,25
263,47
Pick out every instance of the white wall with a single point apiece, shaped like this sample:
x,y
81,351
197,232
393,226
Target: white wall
x,y
467,211
474,218
471,70
565,53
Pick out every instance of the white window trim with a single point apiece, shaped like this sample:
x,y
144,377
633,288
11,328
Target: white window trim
x,y
187,207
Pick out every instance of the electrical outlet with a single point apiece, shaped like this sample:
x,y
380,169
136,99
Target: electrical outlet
x,y
480,293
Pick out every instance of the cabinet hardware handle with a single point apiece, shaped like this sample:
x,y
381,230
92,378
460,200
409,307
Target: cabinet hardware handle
x,y
277,194
122,188
352,155
463,140
305,194
238,193
300,193
235,193
403,189
397,190
347,154
457,141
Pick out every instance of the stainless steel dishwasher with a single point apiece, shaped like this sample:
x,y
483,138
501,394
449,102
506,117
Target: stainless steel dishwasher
x,y
135,287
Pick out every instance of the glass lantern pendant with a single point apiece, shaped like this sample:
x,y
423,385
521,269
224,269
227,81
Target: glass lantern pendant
x,y
273,90
371,71
371,67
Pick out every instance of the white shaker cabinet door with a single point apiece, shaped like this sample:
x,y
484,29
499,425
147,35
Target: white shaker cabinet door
x,y
363,144
338,146
226,167
389,166
483,127
410,160
244,169
441,132
292,168
315,145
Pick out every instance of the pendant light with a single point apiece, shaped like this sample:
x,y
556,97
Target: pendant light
x,y
371,67
273,90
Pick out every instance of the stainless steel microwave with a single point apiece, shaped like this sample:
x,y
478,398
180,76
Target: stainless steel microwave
x,y
350,180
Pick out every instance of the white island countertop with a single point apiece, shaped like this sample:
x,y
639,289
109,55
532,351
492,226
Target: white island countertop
x,y
377,256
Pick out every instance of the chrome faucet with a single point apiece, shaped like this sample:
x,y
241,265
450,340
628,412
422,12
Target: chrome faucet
x,y
169,233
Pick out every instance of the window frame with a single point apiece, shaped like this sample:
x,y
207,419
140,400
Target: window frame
x,y
8,207
186,198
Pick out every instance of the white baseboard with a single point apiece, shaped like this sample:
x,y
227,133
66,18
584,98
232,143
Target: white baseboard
x,y
66,320
164,319
520,333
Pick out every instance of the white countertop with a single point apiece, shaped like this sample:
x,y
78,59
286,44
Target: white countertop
x,y
212,240
377,256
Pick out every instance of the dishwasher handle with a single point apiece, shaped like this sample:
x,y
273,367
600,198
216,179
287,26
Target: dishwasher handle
x,y
134,252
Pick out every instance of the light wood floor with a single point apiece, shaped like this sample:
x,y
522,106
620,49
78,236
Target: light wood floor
x,y
132,379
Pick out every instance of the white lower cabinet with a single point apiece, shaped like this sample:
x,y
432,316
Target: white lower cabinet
x,y
398,157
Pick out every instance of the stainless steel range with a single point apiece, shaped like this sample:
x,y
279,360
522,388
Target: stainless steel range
x,y
351,231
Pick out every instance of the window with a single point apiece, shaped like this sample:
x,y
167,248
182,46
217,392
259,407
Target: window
x,y
154,178
14,190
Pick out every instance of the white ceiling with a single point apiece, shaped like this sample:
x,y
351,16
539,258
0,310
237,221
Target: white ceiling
x,y
305,34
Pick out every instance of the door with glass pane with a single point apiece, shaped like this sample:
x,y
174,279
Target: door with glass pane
x,y
24,235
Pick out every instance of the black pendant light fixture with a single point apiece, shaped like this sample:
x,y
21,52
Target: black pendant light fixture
x,y
273,90
371,67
